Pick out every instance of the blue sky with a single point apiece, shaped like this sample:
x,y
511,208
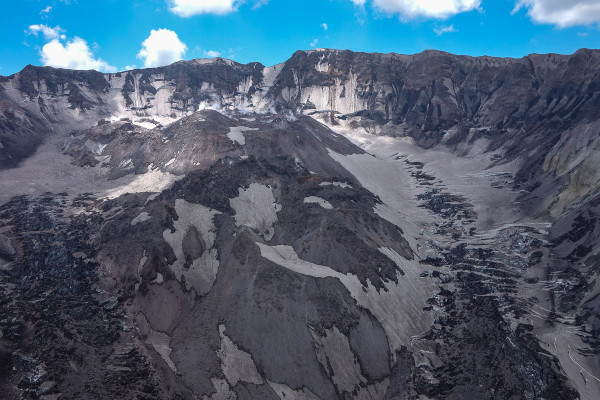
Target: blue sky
x,y
114,35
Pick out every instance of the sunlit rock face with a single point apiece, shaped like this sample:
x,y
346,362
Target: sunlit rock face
x,y
341,225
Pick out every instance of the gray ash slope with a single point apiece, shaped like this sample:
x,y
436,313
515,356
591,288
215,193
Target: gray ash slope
x,y
342,225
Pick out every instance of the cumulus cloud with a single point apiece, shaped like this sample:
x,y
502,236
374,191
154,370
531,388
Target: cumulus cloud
x,y
188,8
423,8
562,13
60,53
440,30
75,54
162,47
212,54
49,33
324,26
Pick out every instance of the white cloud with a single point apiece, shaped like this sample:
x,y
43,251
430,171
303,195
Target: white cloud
x,y
440,30
324,26
188,8
562,13
232,53
423,8
49,33
314,42
75,54
162,47
45,11
212,54
260,3
130,67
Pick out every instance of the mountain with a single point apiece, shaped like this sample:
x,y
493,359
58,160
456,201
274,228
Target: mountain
x,y
341,225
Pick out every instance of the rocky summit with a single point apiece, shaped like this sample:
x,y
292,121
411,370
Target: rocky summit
x,y
339,226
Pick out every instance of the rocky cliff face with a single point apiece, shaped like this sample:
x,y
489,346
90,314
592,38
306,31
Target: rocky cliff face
x,y
342,225
530,108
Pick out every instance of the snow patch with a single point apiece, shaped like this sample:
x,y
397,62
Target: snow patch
x,y
223,392
334,353
159,280
236,134
160,341
202,273
151,181
256,208
322,202
236,364
339,184
287,393
143,217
